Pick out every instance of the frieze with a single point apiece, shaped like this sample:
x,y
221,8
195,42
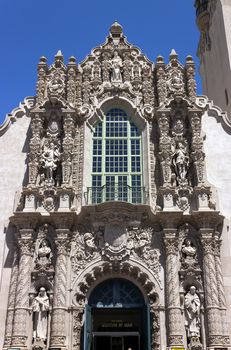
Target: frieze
x,y
115,242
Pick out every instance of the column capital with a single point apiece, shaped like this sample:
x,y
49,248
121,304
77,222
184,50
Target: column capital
x,y
26,246
171,241
207,240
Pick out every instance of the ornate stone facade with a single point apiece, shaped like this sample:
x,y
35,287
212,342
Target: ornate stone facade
x,y
167,245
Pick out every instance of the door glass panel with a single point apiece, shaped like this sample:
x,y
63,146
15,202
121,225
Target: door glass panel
x,y
117,343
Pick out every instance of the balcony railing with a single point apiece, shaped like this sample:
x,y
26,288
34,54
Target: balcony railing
x,y
116,192
202,8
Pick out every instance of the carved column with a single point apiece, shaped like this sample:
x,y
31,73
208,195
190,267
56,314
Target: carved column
x,y
211,288
155,328
20,323
68,126
35,144
71,80
197,153
190,74
41,83
224,338
174,317
11,301
77,327
58,322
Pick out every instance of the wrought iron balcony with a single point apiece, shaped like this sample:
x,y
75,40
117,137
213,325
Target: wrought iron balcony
x,y
202,7
202,14
116,192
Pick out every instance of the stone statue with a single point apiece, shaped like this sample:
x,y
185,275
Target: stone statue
x,y
192,313
44,253
56,86
89,243
188,249
40,308
176,83
181,161
50,158
116,65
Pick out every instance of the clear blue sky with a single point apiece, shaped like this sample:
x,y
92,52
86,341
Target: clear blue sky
x,y
30,29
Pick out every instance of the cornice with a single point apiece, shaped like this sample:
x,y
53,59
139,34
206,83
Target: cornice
x,y
18,112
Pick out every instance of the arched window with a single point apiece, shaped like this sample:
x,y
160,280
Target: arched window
x,y
116,160
116,293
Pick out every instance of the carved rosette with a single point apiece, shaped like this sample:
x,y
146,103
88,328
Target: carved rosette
x,y
58,333
20,329
175,336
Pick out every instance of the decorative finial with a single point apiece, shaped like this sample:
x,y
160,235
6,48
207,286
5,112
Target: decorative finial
x,y
116,29
173,55
43,60
72,59
59,55
159,59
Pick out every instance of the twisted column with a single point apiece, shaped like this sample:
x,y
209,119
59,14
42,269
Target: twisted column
x,y
58,328
175,326
11,302
20,322
214,290
224,339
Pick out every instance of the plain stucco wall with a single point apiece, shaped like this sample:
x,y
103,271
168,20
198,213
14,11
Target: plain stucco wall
x,y
14,148
217,148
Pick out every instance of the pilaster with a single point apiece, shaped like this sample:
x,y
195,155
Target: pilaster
x,y
174,317
214,290
58,324
20,326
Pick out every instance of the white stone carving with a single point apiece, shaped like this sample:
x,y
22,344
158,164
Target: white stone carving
x,y
40,308
192,313
49,160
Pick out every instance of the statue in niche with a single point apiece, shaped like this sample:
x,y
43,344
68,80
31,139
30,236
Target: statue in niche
x,y
176,82
56,85
116,67
192,313
180,161
40,308
50,158
189,250
44,254
89,243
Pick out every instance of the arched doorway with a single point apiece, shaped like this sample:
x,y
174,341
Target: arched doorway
x,y
116,317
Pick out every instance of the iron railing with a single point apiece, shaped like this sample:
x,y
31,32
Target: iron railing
x,y
202,8
116,192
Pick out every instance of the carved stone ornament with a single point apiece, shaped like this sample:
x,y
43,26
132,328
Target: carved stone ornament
x,y
115,243
40,308
192,313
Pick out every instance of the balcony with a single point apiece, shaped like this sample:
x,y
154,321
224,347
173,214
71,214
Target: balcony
x,y
202,15
116,192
